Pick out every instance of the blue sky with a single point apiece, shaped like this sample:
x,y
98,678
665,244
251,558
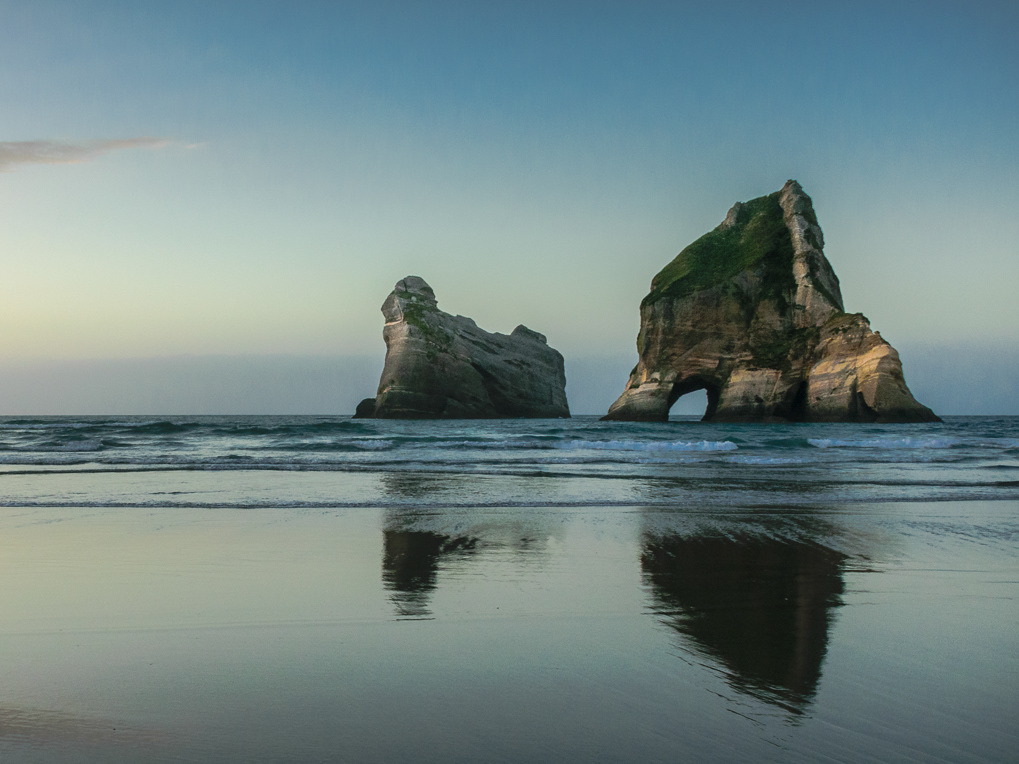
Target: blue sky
x,y
280,166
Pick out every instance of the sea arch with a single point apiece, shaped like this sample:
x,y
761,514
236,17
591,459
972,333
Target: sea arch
x,y
694,384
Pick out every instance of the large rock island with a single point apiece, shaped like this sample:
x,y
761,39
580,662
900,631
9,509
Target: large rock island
x,y
440,366
752,313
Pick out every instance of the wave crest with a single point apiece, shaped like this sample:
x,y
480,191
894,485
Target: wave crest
x,y
886,443
650,445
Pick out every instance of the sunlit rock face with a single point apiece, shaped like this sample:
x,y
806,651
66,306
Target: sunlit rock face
x,y
440,366
752,313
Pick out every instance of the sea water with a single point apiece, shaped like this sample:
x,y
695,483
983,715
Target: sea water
x,y
320,588
115,461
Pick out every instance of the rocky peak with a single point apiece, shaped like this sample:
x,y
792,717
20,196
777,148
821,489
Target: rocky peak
x,y
732,216
413,291
522,332
818,296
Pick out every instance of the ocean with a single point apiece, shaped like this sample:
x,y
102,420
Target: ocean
x,y
281,588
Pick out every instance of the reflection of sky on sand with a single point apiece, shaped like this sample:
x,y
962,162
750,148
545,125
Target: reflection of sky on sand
x,y
510,633
30,731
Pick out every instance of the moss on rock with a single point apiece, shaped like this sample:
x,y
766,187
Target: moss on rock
x,y
757,236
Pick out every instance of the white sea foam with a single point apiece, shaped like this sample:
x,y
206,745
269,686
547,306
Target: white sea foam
x,y
889,443
747,459
372,445
499,443
650,445
999,443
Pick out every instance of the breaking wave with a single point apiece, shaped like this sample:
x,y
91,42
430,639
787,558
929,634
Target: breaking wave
x,y
650,445
889,443
964,457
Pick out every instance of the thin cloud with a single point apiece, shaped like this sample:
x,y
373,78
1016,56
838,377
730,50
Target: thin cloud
x,y
14,153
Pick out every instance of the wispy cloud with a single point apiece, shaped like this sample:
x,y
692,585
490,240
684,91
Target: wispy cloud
x,y
14,153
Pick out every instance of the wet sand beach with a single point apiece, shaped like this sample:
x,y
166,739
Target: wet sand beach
x,y
624,633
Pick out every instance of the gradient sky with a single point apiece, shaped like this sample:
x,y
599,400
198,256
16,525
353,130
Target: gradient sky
x,y
250,179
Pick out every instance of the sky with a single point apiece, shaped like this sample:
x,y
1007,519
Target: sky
x,y
214,199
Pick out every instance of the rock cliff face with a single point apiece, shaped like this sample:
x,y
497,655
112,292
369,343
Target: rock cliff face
x,y
752,313
440,366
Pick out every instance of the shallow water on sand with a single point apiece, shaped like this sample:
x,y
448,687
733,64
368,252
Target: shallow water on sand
x,y
407,614
616,634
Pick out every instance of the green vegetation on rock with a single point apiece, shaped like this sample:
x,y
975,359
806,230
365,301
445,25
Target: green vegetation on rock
x,y
759,236
415,314
778,351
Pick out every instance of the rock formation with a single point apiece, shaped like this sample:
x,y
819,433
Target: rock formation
x,y
752,313
440,366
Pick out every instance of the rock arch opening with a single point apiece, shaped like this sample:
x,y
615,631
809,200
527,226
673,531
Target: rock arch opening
x,y
699,396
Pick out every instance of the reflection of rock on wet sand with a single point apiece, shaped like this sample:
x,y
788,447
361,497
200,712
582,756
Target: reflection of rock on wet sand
x,y
418,544
413,554
410,564
419,485
760,607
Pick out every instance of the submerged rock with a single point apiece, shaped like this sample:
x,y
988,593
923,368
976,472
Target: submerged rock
x,y
752,312
440,366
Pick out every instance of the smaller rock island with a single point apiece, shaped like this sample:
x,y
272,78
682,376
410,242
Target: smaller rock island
x,y
440,366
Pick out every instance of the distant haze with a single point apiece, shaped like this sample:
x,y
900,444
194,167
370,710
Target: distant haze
x,y
955,380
